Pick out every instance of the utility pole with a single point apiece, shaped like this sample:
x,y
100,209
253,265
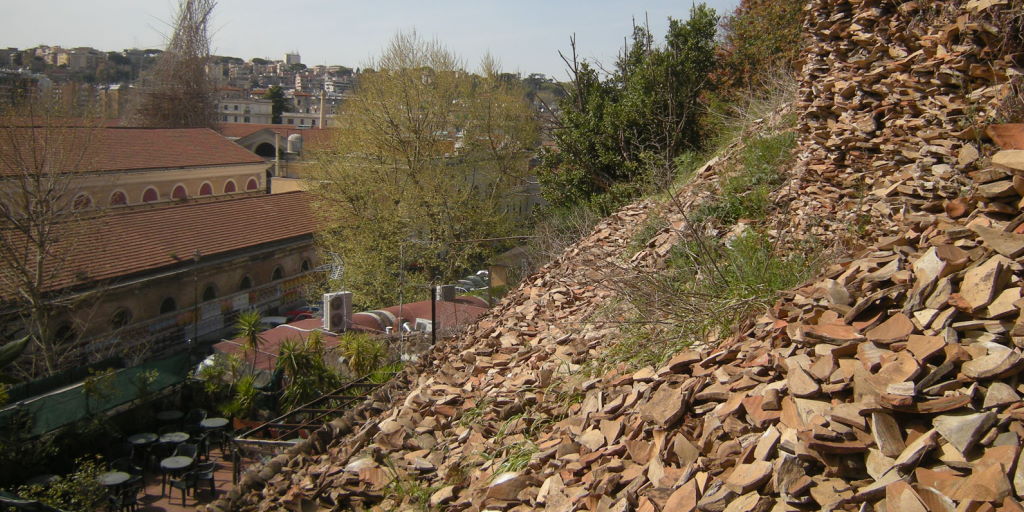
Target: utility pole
x,y
195,304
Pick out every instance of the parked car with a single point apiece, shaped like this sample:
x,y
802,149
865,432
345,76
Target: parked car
x,y
302,313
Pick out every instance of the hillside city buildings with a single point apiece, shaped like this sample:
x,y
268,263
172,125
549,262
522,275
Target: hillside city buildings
x,y
182,229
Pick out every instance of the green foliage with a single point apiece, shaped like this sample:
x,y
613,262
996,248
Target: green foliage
x,y
408,490
620,134
759,38
644,234
363,352
517,456
77,491
708,288
244,398
746,192
11,351
249,326
142,382
427,154
98,386
279,103
384,373
306,371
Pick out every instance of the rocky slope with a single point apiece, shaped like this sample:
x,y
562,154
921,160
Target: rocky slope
x,y
888,383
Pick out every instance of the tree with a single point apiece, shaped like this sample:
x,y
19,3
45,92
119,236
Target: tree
x,y
42,216
427,157
617,134
279,103
177,92
249,326
758,38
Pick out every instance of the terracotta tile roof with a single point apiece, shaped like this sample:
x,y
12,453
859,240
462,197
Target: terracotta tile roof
x,y
131,242
312,138
122,149
266,358
138,148
450,315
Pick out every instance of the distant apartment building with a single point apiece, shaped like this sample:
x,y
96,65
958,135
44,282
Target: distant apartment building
x,y
84,58
292,58
234,105
10,58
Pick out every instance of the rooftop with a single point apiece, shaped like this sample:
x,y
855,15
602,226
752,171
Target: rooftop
x,y
124,149
129,242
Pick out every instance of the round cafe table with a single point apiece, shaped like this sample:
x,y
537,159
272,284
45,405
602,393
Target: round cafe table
x,y
173,465
213,423
113,478
143,438
174,437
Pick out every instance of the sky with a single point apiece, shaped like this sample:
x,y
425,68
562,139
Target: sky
x,y
525,35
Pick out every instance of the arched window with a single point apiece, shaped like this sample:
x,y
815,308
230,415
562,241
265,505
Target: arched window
x,y
82,201
245,284
118,198
168,305
229,187
265,150
209,293
206,189
305,265
179,192
150,195
278,273
252,184
121,318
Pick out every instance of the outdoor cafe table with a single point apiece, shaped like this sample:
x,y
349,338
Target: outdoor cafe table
x,y
174,437
113,478
143,438
213,423
170,415
173,465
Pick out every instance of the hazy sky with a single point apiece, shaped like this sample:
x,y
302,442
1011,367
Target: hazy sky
x,y
525,35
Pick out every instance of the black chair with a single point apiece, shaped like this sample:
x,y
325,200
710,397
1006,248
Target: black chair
x,y
128,496
202,442
193,418
186,482
204,473
186,450
216,437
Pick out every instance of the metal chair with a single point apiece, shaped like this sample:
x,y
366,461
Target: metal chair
x,y
186,450
204,473
193,417
186,482
128,496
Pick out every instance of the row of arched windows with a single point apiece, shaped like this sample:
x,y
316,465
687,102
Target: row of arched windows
x,y
151,194
169,305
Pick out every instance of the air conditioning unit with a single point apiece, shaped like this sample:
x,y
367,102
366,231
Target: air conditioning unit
x,y
337,311
423,325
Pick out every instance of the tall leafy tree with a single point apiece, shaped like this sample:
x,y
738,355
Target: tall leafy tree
x,y
428,156
619,132
279,103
